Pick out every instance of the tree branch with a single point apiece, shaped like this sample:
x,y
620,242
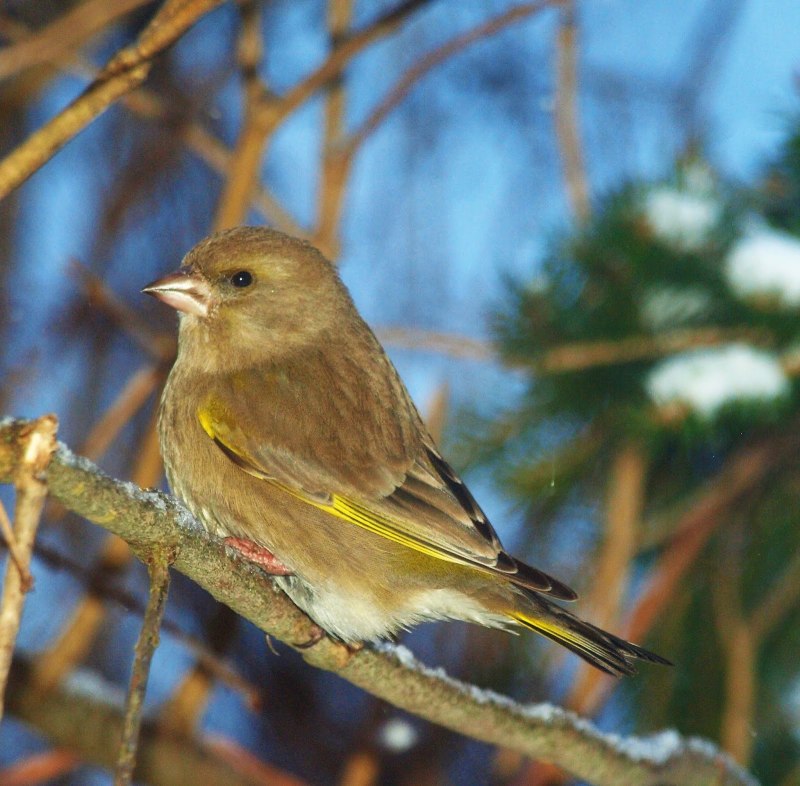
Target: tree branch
x,y
216,666
566,115
152,520
434,58
125,71
65,34
158,570
623,522
85,714
244,165
37,442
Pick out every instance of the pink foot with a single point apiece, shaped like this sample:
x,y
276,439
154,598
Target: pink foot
x,y
258,554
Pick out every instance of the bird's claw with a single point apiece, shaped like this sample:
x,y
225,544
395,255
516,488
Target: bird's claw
x,y
316,635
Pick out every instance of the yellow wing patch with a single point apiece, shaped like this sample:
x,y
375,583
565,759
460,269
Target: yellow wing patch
x,y
207,422
212,419
377,523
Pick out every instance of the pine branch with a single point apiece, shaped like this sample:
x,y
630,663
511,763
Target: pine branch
x,y
152,521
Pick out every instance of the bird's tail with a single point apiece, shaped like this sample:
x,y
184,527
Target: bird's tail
x,y
607,652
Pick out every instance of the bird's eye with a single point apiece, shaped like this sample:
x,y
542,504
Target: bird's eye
x,y
242,279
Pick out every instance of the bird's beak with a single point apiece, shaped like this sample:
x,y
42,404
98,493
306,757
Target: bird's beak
x,y
184,290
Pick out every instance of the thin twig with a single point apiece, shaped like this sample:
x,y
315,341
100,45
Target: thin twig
x,y
702,54
437,410
90,724
31,490
133,396
431,341
590,354
626,499
104,587
218,156
13,549
149,105
78,634
779,600
242,761
338,60
68,32
583,355
244,167
740,650
160,346
335,167
427,63
40,768
146,644
566,114
741,472
125,71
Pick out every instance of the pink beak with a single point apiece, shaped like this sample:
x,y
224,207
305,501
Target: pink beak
x,y
184,290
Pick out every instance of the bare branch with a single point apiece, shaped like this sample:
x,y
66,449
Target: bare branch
x,y
158,345
780,599
17,556
584,355
125,71
740,650
335,167
244,166
158,569
429,341
213,664
337,61
245,763
622,532
37,441
85,714
743,471
199,140
78,635
566,114
133,396
427,63
68,32
39,768
152,521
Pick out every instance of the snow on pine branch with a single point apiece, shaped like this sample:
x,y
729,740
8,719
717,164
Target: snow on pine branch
x,y
684,216
766,265
705,380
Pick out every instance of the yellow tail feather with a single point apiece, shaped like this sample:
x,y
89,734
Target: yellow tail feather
x,y
604,650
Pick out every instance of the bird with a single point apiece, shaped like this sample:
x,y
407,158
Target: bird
x,y
287,431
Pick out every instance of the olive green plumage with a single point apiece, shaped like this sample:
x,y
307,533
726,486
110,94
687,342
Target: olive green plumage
x,y
283,423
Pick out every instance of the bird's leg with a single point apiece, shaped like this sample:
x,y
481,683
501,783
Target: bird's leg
x,y
262,557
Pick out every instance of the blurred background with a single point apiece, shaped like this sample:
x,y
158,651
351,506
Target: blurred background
x,y
576,228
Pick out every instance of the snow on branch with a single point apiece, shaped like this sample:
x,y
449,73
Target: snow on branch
x,y
150,520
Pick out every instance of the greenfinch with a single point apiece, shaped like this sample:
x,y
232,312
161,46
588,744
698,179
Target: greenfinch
x,y
287,431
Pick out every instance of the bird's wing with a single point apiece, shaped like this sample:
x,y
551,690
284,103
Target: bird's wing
x,y
387,478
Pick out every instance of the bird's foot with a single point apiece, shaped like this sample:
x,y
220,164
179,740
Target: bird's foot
x,y
259,555
316,635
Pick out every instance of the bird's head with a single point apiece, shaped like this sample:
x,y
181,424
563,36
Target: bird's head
x,y
248,294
